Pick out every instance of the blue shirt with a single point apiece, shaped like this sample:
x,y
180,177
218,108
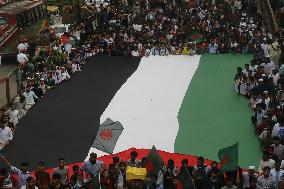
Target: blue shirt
x,y
21,175
95,169
276,176
212,48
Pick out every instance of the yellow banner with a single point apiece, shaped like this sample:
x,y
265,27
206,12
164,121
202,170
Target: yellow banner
x,y
135,173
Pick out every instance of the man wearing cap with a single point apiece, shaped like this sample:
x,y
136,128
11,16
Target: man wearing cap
x,y
42,86
247,176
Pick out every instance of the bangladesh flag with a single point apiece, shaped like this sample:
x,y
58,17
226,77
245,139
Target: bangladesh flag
x,y
195,36
229,158
185,181
153,163
180,104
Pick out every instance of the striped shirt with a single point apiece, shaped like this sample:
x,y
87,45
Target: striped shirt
x,y
265,183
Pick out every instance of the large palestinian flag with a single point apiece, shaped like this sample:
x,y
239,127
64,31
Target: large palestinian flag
x,y
184,104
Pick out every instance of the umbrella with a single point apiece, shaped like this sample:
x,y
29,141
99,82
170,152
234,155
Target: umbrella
x,y
108,134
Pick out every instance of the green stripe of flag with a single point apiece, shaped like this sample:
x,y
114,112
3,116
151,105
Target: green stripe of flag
x,y
213,116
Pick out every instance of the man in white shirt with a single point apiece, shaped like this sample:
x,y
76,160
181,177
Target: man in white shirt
x,y
213,48
271,64
6,135
275,76
238,5
62,170
30,96
276,173
105,4
22,58
135,53
14,115
64,74
169,36
264,47
265,162
248,175
68,48
137,27
278,129
22,47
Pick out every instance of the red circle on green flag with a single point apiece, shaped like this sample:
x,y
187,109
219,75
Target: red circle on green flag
x,y
149,166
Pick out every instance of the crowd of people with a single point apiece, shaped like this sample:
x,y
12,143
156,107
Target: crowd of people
x,y
5,2
261,82
135,29
132,29
162,28
35,75
95,174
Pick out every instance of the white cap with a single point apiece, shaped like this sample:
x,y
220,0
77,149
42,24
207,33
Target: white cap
x,y
251,167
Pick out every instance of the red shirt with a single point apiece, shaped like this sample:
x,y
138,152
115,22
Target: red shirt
x,y
64,39
106,182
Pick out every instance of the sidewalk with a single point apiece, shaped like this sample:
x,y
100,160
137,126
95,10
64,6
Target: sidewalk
x,y
4,71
